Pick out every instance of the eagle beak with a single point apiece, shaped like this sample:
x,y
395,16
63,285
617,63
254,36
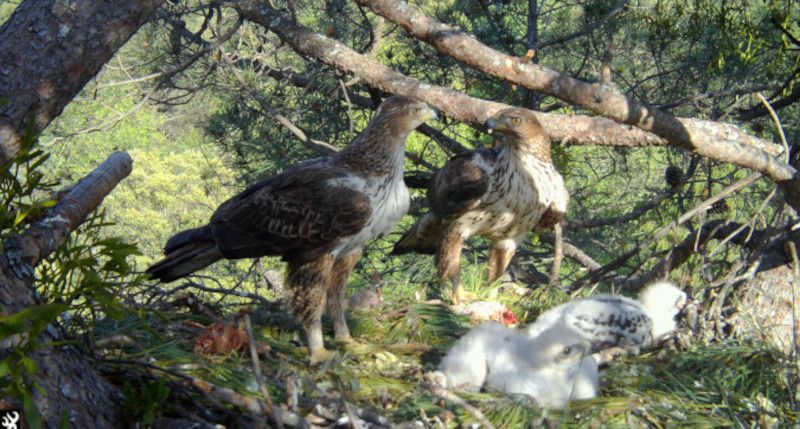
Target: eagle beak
x,y
431,113
490,126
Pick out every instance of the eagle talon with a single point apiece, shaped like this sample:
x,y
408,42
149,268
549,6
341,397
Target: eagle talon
x,y
499,194
347,343
319,356
460,296
315,215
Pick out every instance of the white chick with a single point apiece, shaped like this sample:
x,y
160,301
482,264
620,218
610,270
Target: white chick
x,y
556,367
610,321
552,368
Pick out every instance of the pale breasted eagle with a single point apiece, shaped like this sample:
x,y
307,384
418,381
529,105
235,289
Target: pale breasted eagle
x,y
615,321
316,215
553,368
500,195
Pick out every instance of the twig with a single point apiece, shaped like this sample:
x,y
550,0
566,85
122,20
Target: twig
x,y
778,125
318,145
352,420
349,108
559,255
449,396
599,274
627,217
121,339
241,294
257,368
250,404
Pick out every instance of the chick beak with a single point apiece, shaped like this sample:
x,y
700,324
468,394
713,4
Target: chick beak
x,y
592,349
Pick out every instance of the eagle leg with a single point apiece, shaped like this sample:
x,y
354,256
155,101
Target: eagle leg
x,y
336,293
448,261
500,255
306,284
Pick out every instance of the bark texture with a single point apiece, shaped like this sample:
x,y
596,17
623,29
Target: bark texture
x,y
69,384
721,142
50,49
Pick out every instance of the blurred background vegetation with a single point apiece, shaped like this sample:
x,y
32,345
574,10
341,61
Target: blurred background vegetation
x,y
200,101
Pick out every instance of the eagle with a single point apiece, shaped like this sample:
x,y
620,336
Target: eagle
x,y
498,194
553,367
615,321
316,216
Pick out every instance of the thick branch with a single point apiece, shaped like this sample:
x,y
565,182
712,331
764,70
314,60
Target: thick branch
x,y
68,383
701,137
717,141
25,251
71,42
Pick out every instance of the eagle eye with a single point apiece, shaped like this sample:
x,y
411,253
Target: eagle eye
x,y
515,121
416,111
567,350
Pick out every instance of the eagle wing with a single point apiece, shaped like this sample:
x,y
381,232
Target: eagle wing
x,y
462,183
299,214
556,210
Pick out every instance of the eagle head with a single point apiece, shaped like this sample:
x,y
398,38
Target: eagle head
x,y
521,128
559,347
405,112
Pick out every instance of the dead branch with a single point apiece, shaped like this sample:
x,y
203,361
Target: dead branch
x,y
26,250
62,371
252,405
558,250
257,368
627,217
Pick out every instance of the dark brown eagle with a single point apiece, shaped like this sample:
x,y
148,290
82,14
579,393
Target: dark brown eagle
x,y
316,215
498,194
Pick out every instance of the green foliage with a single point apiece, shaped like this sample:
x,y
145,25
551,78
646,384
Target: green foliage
x,y
22,185
82,277
87,272
166,194
145,402
208,137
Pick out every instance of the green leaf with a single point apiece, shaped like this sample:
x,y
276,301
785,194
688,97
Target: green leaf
x,y
38,317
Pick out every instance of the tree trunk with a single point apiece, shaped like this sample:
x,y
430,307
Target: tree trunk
x,y
50,49
67,381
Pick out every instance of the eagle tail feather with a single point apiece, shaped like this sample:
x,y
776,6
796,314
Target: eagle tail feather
x,y
423,237
186,252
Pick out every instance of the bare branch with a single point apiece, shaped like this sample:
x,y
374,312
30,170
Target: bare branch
x,y
598,274
445,394
594,223
713,140
25,251
700,137
618,7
